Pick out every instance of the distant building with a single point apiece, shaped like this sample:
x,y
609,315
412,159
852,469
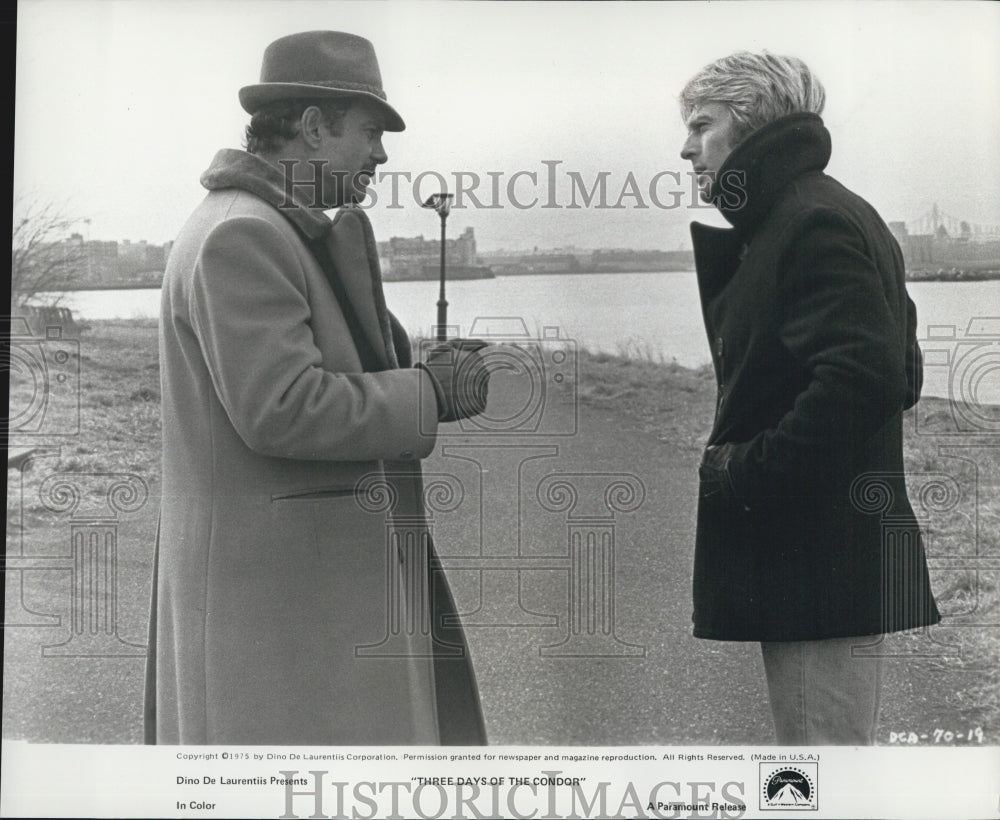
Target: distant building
x,y
626,259
410,257
138,258
94,262
512,265
91,260
918,249
605,260
939,251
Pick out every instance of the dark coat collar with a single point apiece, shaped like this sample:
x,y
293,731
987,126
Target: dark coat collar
x,y
766,162
238,169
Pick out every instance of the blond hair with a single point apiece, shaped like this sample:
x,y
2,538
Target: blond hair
x,y
757,88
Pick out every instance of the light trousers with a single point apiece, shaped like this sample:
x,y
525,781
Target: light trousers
x,y
822,695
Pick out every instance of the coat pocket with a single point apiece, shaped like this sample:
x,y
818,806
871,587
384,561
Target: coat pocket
x,y
313,493
714,481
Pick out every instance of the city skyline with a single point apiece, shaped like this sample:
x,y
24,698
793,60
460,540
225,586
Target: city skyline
x,y
935,246
120,106
927,223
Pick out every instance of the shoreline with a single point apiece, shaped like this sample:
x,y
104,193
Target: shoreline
x,y
624,356
952,275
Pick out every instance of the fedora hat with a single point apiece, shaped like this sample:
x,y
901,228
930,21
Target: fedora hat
x,y
319,64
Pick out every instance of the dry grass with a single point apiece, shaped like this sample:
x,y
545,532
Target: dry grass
x,y
671,402
953,477
119,432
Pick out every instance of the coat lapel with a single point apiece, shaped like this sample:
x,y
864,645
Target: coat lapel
x,y
349,240
355,257
716,257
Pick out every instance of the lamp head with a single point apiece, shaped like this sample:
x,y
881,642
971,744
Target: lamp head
x,y
440,203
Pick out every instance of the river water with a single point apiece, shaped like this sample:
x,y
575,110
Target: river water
x,y
654,315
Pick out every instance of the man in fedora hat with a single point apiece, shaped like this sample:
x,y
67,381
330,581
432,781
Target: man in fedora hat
x,y
293,423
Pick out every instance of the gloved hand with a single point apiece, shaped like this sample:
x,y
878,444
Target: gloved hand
x,y
460,377
715,473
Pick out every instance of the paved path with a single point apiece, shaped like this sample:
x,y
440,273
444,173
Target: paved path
x,y
647,682
663,686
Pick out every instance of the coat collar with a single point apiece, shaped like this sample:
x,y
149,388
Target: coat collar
x,y
762,166
769,160
352,247
238,169
348,238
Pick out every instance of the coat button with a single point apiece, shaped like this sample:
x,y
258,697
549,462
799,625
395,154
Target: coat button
x,y
406,454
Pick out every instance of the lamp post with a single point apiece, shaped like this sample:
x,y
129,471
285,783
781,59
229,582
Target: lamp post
x,y
442,204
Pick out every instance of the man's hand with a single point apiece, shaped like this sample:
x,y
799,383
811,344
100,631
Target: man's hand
x,y
715,473
460,377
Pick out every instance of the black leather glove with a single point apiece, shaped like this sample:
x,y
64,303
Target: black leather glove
x,y
460,377
715,473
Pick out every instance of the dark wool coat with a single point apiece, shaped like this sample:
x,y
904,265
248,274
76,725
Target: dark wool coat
x,y
804,527
272,574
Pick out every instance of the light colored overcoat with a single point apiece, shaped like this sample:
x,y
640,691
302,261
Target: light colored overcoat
x,y
274,581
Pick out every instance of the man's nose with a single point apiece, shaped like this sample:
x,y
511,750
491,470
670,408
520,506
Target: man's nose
x,y
379,155
688,149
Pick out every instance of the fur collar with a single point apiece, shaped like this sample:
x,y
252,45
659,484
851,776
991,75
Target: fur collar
x,y
231,168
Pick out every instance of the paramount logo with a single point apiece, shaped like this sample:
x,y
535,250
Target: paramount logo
x,y
788,795
788,786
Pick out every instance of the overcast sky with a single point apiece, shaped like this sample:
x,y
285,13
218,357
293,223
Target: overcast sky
x,y
121,104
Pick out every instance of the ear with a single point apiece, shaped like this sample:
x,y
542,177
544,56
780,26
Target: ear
x,y
311,125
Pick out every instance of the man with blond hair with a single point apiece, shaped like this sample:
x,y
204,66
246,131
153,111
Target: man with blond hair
x,y
813,338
